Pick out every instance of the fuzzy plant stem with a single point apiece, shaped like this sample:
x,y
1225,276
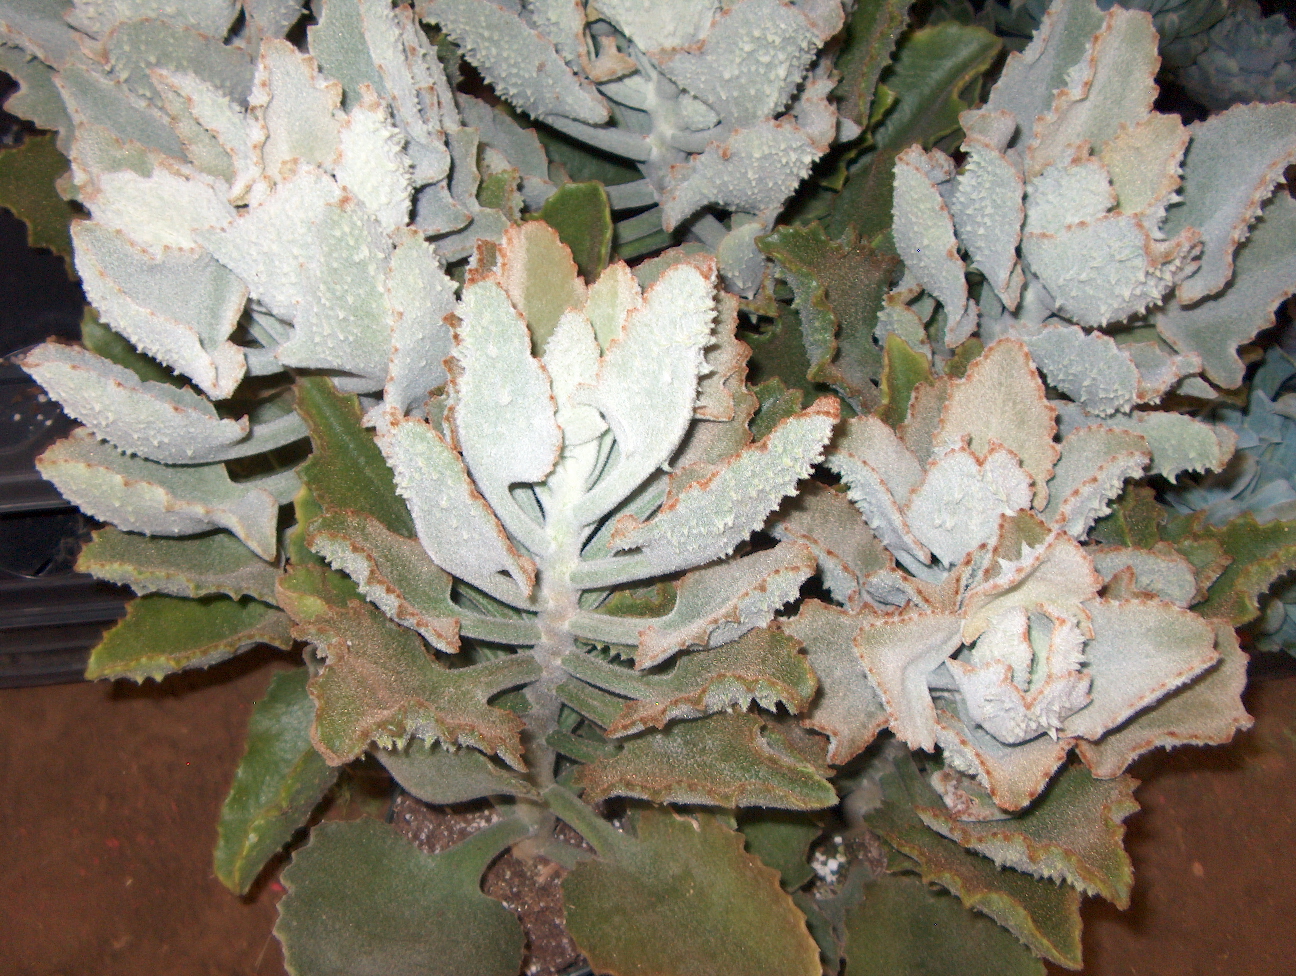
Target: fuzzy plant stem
x,y
559,598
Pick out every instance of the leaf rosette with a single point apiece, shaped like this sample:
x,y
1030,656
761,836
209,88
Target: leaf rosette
x,y
987,627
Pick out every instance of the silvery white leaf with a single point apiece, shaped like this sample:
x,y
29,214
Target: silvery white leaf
x,y
1162,570
1264,273
1026,85
503,408
845,548
414,83
1113,86
213,130
1233,162
1109,268
143,496
987,209
373,165
92,99
97,17
1087,366
273,18
755,171
1014,775
671,24
1064,195
165,210
879,472
899,653
315,259
38,26
571,359
713,606
737,70
520,63
1141,650
1143,163
647,381
1001,399
135,47
710,516
1178,442
924,230
454,523
960,501
179,308
341,44
1092,470
419,297
295,107
156,421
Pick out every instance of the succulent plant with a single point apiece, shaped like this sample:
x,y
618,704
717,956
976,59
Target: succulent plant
x,y
1258,481
1107,237
1247,58
986,626
723,107
1182,25
542,548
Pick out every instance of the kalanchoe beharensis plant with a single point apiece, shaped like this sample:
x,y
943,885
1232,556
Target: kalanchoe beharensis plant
x,y
722,106
986,626
547,551
1126,250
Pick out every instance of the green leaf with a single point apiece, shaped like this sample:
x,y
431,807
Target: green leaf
x,y
380,684
681,897
777,403
1135,519
779,353
364,900
1072,833
438,775
1259,553
309,590
782,839
279,781
161,634
27,177
100,339
188,567
933,70
762,665
838,288
720,760
579,212
654,600
903,926
346,471
903,368
1043,915
870,41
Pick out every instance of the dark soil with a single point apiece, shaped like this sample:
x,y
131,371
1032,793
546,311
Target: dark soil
x,y
108,816
531,888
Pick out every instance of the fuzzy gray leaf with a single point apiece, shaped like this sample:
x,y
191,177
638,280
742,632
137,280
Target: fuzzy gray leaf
x,y
152,420
143,496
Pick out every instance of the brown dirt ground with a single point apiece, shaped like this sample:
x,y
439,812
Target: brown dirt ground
x,y
108,815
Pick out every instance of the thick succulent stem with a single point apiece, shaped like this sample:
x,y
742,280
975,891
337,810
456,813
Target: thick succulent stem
x,y
558,600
